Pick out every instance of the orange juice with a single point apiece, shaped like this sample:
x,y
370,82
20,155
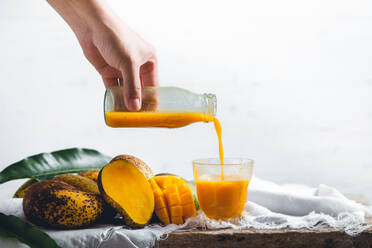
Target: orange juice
x,y
222,199
217,127
154,119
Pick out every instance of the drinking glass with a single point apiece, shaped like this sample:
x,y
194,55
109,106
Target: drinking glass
x,y
222,189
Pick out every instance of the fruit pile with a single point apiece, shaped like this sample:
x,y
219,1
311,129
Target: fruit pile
x,y
126,187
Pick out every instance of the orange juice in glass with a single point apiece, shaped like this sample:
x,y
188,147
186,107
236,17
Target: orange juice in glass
x,y
222,189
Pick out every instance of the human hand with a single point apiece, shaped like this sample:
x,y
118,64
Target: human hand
x,y
116,51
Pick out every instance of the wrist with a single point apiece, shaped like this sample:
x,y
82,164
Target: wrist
x,y
83,16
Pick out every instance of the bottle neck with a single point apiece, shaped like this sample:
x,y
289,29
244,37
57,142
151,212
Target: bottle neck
x,y
210,108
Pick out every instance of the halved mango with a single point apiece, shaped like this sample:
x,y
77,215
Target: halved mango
x,y
125,187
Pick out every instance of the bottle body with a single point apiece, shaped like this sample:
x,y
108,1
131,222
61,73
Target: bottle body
x,y
169,107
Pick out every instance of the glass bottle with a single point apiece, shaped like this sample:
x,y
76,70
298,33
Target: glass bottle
x,y
169,107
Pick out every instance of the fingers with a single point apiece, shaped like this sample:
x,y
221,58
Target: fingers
x,y
149,73
132,87
109,82
149,77
109,75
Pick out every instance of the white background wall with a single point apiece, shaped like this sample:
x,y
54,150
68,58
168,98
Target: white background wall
x,y
293,81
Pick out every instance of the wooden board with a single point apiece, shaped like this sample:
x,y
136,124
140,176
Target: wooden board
x,y
284,238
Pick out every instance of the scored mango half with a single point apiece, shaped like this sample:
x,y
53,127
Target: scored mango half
x,y
174,202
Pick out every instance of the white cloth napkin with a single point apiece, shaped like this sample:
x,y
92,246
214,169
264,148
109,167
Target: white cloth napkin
x,y
270,206
300,200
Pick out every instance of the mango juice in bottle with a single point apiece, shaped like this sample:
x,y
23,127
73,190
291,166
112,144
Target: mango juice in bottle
x,y
168,107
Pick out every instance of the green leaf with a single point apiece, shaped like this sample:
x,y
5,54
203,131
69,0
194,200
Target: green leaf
x,y
13,227
46,165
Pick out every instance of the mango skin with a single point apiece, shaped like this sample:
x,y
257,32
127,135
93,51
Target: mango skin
x,y
91,174
59,205
85,184
20,193
85,181
80,182
142,166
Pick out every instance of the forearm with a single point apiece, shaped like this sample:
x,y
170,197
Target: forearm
x,y
82,15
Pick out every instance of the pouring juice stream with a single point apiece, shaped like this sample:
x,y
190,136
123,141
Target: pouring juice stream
x,y
217,127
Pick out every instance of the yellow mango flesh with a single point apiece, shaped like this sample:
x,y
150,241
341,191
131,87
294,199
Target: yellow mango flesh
x,y
174,202
129,189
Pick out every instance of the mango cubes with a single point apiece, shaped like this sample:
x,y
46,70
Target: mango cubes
x,y
174,202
